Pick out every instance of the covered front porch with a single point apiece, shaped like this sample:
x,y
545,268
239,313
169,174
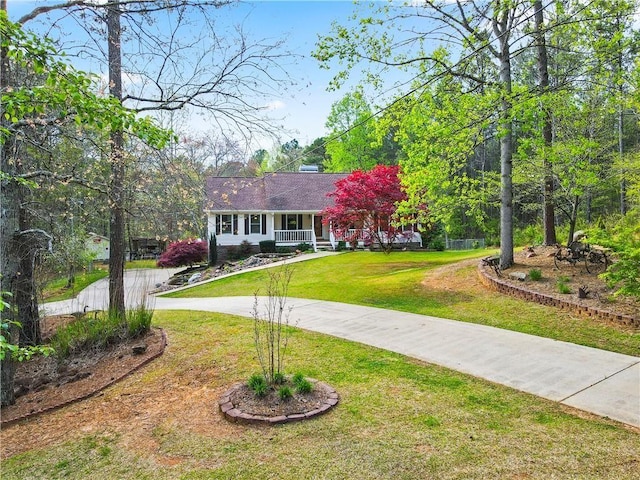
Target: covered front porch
x,y
286,229
291,229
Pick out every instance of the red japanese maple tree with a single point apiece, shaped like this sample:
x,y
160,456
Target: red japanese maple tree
x,y
365,207
183,252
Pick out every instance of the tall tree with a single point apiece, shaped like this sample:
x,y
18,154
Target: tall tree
x,y
352,133
228,80
288,157
486,30
549,219
117,159
63,96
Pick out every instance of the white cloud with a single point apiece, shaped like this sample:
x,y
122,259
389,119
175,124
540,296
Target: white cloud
x,y
275,105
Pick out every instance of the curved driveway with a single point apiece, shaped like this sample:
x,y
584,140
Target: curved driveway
x,y
597,381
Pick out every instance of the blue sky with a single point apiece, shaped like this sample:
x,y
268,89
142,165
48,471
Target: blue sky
x,y
305,109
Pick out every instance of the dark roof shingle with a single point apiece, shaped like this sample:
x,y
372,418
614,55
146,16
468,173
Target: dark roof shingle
x,y
273,192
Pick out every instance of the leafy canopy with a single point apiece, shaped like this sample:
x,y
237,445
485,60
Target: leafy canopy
x,y
65,93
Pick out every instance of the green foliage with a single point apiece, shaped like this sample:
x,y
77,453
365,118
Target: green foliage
x,y
301,384
437,245
355,141
535,274
258,384
341,246
279,378
303,247
267,246
96,331
562,285
67,91
72,252
7,347
529,235
623,237
285,392
139,320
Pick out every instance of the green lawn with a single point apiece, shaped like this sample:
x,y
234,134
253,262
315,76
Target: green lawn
x,y
395,282
149,263
397,419
57,289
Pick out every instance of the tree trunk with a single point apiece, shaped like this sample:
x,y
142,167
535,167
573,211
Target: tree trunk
x,y
623,182
506,151
27,243
116,234
547,132
9,265
573,219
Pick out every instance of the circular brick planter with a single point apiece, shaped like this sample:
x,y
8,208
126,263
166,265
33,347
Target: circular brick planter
x,y
234,414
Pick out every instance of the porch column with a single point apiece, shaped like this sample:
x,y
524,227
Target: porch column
x,y
272,226
313,233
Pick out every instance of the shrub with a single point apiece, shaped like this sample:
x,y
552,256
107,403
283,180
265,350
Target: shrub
x,y
267,246
303,247
233,252
270,329
213,250
184,252
258,385
535,274
621,235
245,248
437,245
561,283
100,331
342,245
529,235
279,378
139,321
285,393
304,386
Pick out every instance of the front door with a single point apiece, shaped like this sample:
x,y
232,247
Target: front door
x,y
317,226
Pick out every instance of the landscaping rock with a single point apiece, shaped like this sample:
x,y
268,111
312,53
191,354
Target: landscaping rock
x,y
518,276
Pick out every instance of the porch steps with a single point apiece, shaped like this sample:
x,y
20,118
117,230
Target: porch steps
x,y
324,246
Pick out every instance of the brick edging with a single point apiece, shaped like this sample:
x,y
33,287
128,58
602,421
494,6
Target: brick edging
x,y
544,299
233,414
5,423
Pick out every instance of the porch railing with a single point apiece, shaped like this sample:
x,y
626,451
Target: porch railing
x,y
294,237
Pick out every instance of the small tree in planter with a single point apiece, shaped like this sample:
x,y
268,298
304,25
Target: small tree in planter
x,y
271,329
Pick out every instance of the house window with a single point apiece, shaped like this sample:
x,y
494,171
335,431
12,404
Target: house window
x,y
255,223
291,222
227,224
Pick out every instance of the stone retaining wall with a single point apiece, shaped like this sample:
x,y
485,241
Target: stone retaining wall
x,y
524,293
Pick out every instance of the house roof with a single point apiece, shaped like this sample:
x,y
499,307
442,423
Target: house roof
x,y
273,192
